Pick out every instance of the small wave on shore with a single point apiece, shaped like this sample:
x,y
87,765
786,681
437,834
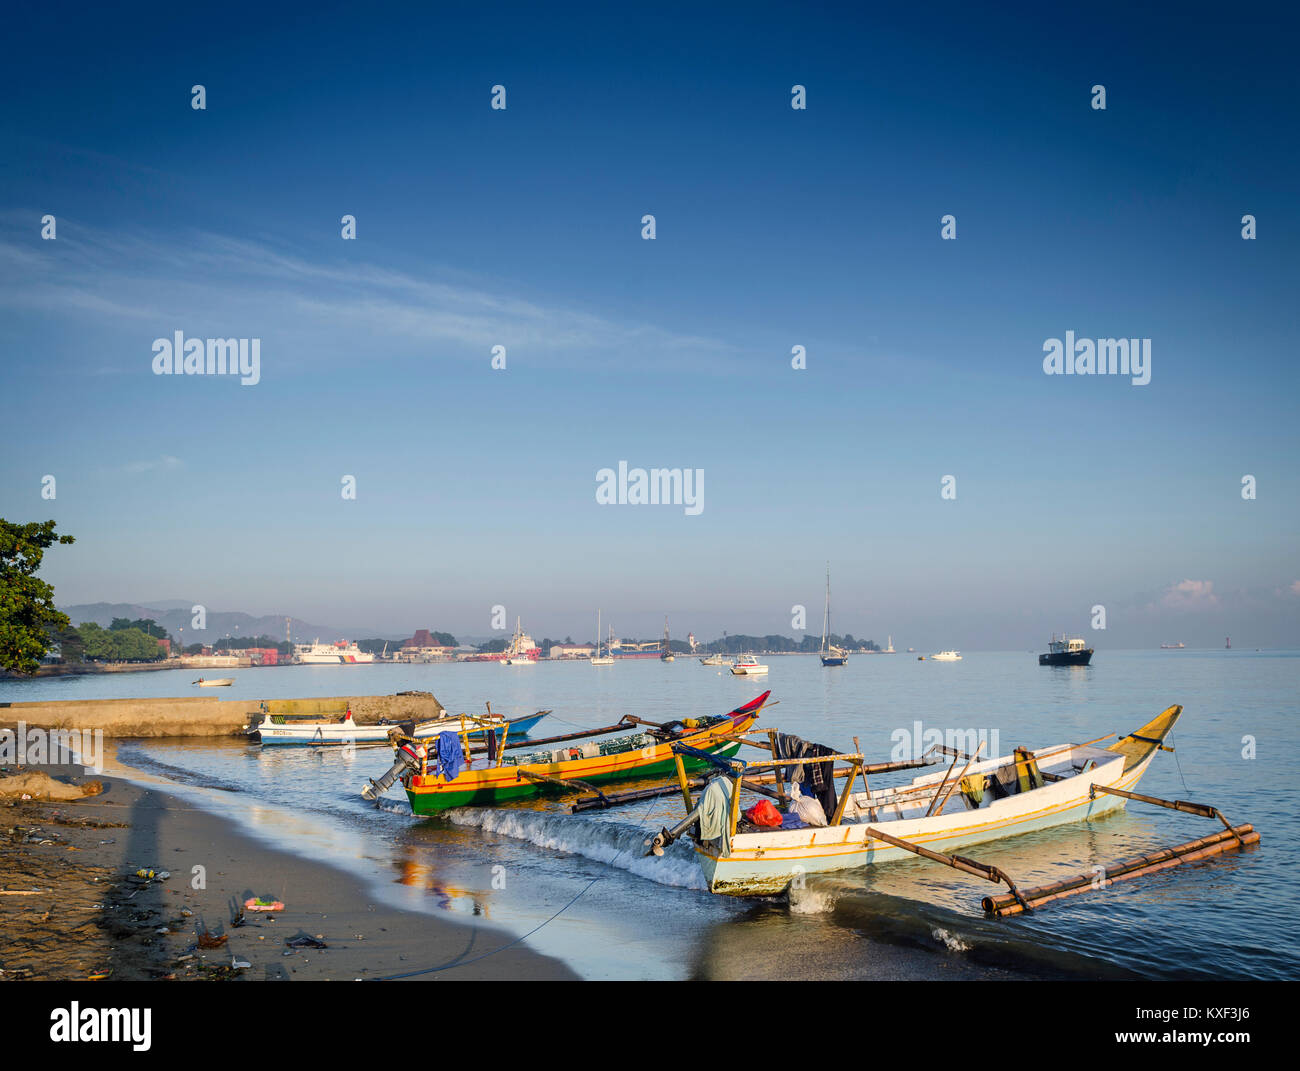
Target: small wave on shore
x,y
612,843
132,755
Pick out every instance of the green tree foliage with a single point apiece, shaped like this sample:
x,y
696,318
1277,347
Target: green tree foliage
x,y
72,648
147,625
28,619
118,644
242,643
782,644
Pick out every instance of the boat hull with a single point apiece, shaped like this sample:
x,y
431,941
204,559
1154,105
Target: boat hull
x,y
430,794
762,869
1066,658
766,863
337,734
489,795
833,660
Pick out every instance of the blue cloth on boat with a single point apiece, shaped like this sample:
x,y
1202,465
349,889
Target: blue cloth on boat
x,y
715,812
450,756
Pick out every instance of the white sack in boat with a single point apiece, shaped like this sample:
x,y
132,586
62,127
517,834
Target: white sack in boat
x,y
808,809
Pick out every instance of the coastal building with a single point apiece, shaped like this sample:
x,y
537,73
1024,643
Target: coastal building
x,y
572,650
422,647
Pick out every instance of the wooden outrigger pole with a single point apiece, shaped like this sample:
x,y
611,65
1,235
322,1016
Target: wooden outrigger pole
x,y
1193,851
1231,838
957,862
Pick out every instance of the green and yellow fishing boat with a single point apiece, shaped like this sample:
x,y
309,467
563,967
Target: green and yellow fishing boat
x,y
498,775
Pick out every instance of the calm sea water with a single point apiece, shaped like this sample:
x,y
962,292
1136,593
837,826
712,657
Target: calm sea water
x,y
622,916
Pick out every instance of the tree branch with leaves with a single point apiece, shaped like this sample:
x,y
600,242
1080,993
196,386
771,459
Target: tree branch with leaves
x,y
28,619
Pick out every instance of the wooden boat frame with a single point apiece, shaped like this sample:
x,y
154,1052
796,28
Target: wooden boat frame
x,y
1080,782
502,780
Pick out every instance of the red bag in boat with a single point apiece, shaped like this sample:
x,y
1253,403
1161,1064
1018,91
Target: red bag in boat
x,y
764,814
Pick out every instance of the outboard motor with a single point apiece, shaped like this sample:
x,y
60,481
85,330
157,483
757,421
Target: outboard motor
x,y
408,759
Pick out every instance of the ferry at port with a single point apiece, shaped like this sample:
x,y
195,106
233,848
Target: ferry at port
x,y
340,653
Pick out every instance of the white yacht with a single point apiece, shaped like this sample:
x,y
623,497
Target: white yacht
x,y
946,656
747,666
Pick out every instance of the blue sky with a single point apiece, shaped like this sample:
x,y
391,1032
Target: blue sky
x,y
775,228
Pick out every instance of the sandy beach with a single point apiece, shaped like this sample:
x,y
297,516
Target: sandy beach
x,y
73,908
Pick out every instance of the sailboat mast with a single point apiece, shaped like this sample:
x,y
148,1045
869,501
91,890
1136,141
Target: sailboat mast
x,y
826,615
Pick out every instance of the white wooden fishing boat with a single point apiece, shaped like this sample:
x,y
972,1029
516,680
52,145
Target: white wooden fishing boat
x,y
216,682
747,666
714,660
289,730
988,799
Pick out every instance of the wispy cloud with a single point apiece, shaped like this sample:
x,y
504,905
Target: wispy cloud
x,y
242,287
1190,595
166,463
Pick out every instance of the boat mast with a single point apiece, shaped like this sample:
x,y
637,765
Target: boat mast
x,y
826,616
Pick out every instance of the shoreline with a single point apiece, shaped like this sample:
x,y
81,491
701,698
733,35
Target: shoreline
x,y
95,918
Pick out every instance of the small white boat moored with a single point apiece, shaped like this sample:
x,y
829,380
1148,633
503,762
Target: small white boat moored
x,y
747,666
216,682
946,656
289,730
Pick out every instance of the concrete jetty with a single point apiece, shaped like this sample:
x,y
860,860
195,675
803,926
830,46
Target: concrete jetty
x,y
204,715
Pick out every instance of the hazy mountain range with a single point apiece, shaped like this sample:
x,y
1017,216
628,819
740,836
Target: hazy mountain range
x,y
175,615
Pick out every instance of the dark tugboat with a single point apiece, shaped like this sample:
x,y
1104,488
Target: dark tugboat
x,y
1065,652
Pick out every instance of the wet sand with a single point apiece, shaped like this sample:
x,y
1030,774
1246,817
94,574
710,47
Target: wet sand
x,y
92,917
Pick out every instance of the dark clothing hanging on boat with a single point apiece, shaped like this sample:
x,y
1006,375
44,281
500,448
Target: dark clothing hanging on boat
x,y
816,779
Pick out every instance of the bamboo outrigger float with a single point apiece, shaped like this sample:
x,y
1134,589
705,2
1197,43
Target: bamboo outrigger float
x,y
495,775
936,813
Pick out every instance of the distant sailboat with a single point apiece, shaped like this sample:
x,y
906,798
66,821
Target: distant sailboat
x,y
832,655
666,655
598,659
